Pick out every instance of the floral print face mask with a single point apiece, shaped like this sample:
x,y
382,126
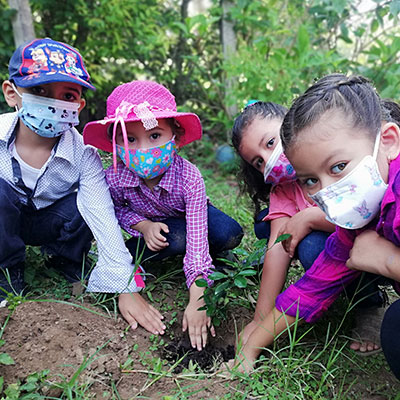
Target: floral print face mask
x,y
149,163
278,168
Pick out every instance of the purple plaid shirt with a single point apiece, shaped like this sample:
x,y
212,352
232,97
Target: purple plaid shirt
x,y
180,193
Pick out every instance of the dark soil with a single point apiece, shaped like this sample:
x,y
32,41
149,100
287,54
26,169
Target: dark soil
x,y
208,359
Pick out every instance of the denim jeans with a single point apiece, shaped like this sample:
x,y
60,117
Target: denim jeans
x,y
363,290
59,229
390,337
224,233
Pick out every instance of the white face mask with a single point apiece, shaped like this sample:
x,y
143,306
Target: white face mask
x,y
354,201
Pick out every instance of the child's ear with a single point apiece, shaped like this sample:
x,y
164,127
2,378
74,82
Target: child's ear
x,y
390,140
82,105
10,94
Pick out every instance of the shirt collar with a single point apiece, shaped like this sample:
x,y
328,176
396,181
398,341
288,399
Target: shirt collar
x,y
64,148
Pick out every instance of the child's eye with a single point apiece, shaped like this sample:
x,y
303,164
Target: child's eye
x,y
155,136
309,182
131,139
258,163
38,90
270,143
70,97
338,168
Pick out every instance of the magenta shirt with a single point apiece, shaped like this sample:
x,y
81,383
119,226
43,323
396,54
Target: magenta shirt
x,y
319,287
180,193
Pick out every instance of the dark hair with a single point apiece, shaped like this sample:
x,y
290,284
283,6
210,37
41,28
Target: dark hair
x,y
177,130
251,181
353,95
392,110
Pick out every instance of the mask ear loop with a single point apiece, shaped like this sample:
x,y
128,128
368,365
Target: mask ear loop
x,y
376,145
120,120
18,93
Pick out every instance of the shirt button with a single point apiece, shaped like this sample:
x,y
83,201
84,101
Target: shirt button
x,y
15,179
156,188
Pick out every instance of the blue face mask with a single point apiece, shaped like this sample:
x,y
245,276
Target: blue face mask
x,y
46,116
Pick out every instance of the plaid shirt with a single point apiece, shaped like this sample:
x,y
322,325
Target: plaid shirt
x,y
180,192
72,167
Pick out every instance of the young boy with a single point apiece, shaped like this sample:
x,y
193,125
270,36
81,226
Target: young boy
x,y
52,187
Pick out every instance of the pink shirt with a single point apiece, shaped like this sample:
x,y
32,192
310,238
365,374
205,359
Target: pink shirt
x,y
286,200
180,193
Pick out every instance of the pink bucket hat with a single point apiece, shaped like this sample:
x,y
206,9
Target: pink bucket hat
x,y
144,101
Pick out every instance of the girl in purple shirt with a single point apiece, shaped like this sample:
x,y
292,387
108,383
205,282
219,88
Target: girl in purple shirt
x,y
159,196
340,139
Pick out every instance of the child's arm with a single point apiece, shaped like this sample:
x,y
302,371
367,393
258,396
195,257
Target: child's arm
x,y
308,298
151,231
276,263
114,270
301,224
263,336
196,321
373,253
197,262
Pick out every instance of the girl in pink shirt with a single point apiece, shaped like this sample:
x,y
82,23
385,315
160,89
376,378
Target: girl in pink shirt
x,y
268,176
345,149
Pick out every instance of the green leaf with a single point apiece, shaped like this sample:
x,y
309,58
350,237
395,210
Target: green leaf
x,y
283,237
201,283
394,7
374,25
240,282
5,359
215,276
248,272
221,288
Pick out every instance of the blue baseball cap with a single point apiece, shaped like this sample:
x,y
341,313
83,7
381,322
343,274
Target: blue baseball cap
x,y
43,61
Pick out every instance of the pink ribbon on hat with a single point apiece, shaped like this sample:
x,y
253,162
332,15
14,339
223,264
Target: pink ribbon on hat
x,y
122,112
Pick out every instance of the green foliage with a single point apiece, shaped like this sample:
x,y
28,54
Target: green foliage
x,y
282,46
229,284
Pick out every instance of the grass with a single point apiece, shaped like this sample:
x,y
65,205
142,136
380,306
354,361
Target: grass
x,y
312,362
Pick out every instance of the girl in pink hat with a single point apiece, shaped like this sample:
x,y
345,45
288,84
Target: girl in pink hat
x,y
160,197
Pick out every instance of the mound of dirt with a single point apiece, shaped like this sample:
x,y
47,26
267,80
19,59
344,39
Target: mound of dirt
x,y
63,336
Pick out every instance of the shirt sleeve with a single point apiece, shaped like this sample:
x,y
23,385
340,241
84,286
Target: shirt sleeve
x,y
281,203
319,287
114,272
197,260
126,217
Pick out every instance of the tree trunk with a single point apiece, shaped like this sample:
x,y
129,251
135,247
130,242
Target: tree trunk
x,y
22,22
228,41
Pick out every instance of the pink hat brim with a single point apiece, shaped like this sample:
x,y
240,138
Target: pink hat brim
x,y
95,132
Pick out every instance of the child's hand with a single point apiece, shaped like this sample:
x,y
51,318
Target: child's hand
x,y
136,310
373,253
246,332
197,321
300,225
155,241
